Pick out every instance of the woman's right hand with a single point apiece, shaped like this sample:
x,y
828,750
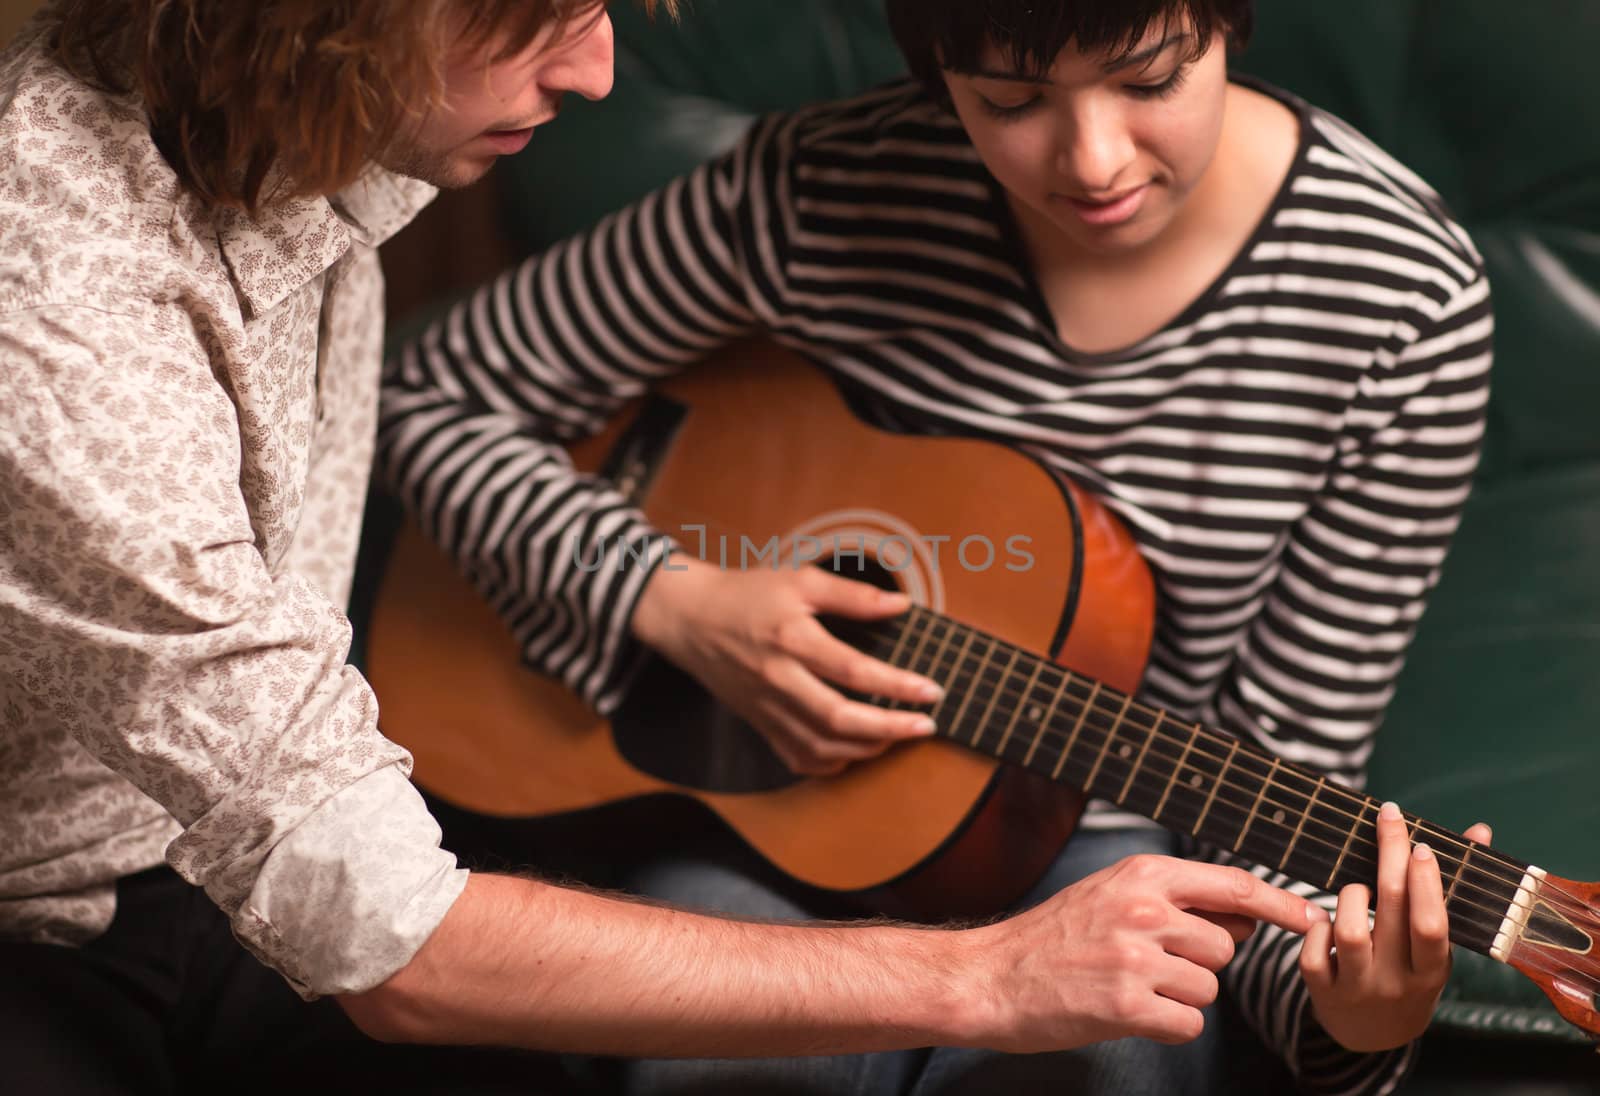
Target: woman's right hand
x,y
753,639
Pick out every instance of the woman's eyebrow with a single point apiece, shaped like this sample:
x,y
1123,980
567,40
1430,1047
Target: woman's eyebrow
x,y
1117,64
1148,54
1012,76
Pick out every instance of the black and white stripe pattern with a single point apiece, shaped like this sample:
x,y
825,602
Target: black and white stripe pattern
x,y
1291,453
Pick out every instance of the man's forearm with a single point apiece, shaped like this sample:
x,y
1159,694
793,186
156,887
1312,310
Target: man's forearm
x,y
522,963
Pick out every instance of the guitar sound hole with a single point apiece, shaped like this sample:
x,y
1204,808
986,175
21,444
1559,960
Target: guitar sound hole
x,y
859,634
863,569
670,727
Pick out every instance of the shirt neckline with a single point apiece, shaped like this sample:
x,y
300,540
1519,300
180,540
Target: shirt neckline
x,y
1033,295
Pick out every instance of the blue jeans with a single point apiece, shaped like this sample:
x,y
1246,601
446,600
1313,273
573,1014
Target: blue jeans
x,y
1125,1067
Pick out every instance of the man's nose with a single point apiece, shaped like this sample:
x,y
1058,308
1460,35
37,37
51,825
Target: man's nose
x,y
585,64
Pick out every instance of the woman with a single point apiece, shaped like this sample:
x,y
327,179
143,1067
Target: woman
x,y
1261,342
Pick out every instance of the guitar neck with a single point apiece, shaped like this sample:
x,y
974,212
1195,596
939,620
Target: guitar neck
x,y
1026,710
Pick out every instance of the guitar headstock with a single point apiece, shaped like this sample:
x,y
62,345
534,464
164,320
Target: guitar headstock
x,y
1556,942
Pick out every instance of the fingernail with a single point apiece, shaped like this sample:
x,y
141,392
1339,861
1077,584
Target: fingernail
x,y
1422,852
1390,811
1315,913
925,725
891,597
930,693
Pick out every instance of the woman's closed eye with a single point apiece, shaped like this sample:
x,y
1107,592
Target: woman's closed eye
x,y
1160,90
1008,110
1005,111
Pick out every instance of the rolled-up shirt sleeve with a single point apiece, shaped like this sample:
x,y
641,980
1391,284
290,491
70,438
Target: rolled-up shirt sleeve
x,y
139,614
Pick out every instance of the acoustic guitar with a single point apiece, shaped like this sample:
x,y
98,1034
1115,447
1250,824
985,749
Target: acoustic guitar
x,y
1033,609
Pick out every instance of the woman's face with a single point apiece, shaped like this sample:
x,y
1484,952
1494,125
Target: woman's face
x,y
1106,155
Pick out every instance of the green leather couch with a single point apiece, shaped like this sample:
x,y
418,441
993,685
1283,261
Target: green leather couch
x,y
1497,105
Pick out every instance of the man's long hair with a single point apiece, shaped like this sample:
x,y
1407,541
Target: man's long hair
x,y
251,100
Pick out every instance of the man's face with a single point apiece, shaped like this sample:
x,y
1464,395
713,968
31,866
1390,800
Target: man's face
x,y
1105,155
491,106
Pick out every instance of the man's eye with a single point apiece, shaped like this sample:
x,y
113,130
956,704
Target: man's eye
x,y
1008,110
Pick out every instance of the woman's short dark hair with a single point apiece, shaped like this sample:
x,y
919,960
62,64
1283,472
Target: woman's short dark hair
x,y
951,34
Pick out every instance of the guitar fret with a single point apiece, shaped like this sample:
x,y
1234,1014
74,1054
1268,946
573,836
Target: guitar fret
x,y
983,720
1022,702
977,676
1337,864
1194,733
894,655
1111,732
962,659
955,672
938,656
1461,869
1216,785
1049,715
1139,761
1260,795
916,660
1072,738
1304,815
916,655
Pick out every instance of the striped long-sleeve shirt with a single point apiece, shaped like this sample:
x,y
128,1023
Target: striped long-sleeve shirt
x,y
1291,453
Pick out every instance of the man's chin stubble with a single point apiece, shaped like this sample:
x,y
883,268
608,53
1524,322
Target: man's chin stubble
x,y
443,171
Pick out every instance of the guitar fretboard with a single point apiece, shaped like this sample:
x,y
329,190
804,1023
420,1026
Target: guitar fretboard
x,y
1023,709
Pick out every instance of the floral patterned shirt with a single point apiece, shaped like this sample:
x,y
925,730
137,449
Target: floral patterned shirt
x,y
187,411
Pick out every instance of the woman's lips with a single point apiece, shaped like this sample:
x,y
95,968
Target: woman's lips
x,y
1113,212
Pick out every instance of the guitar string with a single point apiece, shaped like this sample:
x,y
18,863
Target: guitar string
x,y
1094,709
1455,841
1313,850
1533,958
1201,735
1576,904
1478,915
710,524
1494,858
1314,854
1572,903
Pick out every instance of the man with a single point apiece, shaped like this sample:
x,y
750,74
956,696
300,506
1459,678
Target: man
x,y
190,199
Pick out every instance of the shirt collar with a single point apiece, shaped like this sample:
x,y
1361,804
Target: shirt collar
x,y
381,203
289,242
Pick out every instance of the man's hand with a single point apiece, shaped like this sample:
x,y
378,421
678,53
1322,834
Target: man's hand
x,y
1376,988
1131,950
753,639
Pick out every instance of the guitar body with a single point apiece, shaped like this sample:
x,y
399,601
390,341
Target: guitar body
x,y
764,447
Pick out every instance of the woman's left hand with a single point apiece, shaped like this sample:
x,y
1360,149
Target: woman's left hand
x,y
1376,988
